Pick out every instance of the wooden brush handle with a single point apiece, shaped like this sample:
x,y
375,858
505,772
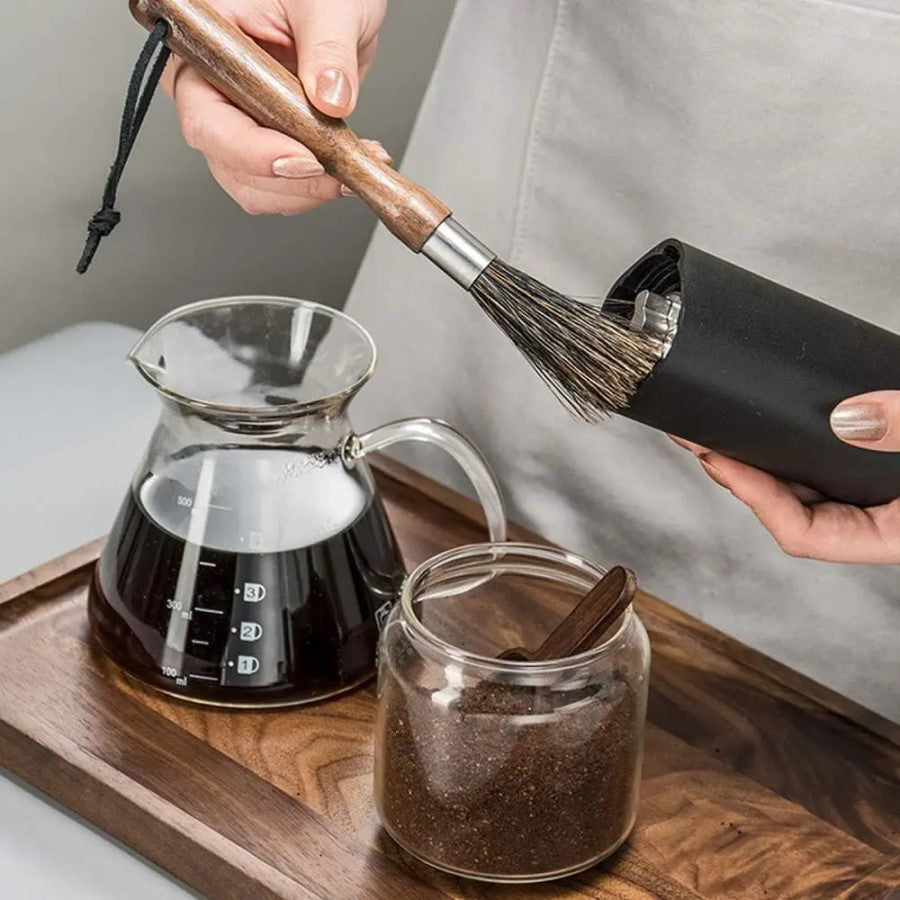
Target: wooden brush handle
x,y
274,97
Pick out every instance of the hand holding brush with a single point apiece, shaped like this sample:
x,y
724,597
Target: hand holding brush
x,y
591,360
331,47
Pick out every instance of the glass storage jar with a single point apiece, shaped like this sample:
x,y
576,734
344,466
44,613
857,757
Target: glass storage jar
x,y
506,770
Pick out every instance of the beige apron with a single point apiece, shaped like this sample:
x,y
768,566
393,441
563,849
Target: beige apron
x,y
573,135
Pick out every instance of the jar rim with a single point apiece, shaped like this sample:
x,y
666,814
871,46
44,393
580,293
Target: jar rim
x,y
493,553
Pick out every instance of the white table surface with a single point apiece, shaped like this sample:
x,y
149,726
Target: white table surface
x,y
75,419
45,851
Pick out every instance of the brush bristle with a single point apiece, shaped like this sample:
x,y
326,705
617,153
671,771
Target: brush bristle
x,y
591,361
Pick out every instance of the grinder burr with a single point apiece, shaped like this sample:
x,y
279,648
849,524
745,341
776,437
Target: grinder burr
x,y
753,370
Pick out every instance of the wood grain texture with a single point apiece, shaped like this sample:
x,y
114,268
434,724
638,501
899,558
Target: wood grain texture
x,y
49,572
264,89
752,788
882,884
736,703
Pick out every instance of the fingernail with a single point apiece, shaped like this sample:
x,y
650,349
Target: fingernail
x,y
859,421
333,87
346,192
696,449
296,167
713,473
376,149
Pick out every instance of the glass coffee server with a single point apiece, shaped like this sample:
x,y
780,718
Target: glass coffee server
x,y
252,563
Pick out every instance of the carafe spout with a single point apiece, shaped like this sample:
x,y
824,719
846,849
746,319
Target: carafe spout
x,y
256,358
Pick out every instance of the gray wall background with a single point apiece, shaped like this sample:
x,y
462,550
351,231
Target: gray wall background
x,y
63,74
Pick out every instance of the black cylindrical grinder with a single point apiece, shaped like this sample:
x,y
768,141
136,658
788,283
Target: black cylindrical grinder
x,y
753,370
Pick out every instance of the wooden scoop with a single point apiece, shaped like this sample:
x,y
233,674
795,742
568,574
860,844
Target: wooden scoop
x,y
586,623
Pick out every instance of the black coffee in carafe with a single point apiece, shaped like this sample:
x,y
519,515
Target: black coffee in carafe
x,y
252,563
271,607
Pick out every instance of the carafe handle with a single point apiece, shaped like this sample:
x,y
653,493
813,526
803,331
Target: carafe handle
x,y
433,431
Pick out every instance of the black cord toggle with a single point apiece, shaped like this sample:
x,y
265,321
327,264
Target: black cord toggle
x,y
137,102
103,221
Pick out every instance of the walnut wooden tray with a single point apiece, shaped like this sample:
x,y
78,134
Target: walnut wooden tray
x,y
757,782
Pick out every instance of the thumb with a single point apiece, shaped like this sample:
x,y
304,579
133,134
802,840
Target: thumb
x,y
327,36
871,421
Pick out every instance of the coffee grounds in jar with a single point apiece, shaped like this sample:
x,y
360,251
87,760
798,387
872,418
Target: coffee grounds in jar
x,y
510,780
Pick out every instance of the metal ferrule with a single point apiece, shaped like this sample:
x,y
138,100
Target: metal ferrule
x,y
458,252
657,316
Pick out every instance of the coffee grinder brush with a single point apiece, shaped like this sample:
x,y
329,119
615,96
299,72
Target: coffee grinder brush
x,y
591,360
753,369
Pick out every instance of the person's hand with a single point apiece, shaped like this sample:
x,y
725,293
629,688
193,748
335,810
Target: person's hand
x,y
802,521
330,44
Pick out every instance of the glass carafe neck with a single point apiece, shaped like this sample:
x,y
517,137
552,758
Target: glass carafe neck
x,y
185,426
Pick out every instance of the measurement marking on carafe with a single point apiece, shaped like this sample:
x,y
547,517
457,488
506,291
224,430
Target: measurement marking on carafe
x,y
203,562
214,506
250,631
203,677
246,665
253,592
205,609
199,642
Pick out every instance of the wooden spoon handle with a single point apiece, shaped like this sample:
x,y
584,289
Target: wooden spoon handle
x,y
274,97
588,620
591,617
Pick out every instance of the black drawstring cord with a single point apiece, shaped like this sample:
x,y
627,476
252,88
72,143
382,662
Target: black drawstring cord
x,y
137,102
